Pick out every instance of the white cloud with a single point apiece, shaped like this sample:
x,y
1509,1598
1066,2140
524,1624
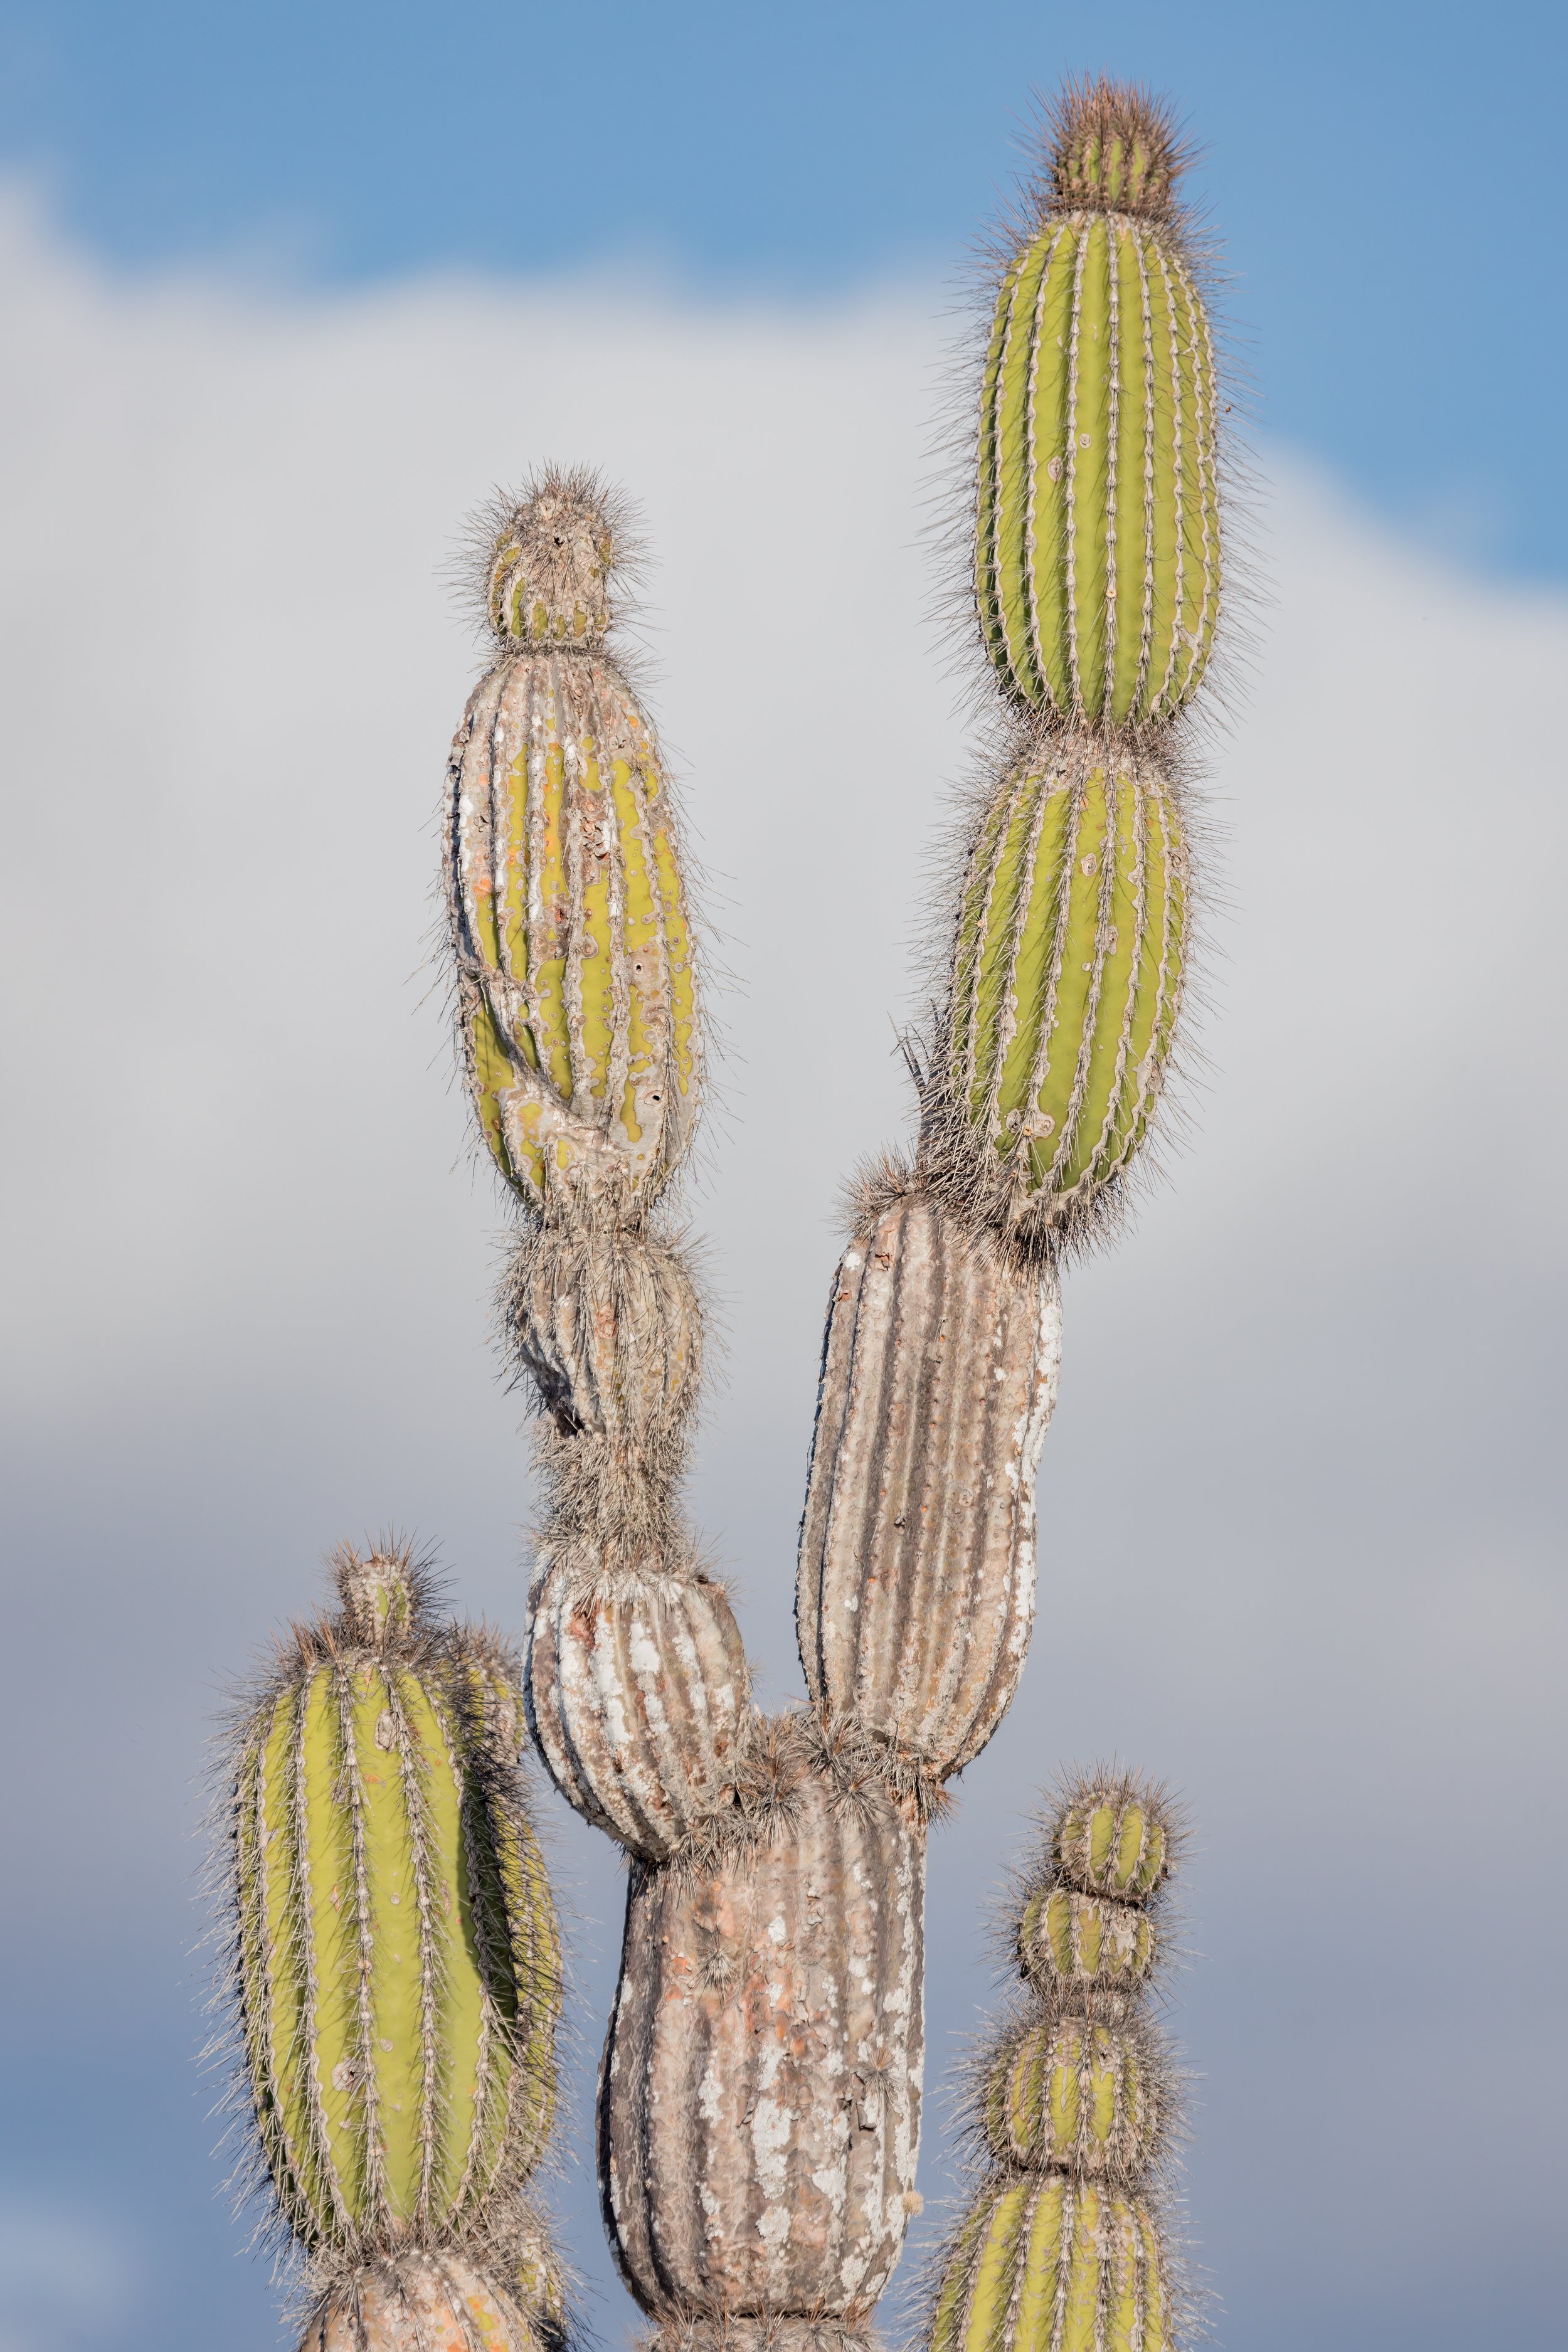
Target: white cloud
x,y
1300,1501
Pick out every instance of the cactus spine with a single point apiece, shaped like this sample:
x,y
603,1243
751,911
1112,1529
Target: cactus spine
x,y
1062,2245
396,1970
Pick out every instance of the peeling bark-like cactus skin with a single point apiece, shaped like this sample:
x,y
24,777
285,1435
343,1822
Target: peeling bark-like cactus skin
x,y
1061,2248
758,2101
638,1697
915,1590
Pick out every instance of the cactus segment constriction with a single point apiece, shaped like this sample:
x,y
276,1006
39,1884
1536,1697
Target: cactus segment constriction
x,y
1053,2264
639,1700
609,1329
1098,526
566,899
398,1958
1068,975
916,1582
759,2100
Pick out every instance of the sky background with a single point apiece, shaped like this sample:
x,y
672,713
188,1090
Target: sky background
x,y
285,296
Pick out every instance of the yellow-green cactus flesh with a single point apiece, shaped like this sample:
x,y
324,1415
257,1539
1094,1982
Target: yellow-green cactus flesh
x,y
1098,530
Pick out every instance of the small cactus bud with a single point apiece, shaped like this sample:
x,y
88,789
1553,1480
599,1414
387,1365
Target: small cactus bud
x,y
1075,1942
1066,977
1048,2264
550,565
1113,1838
1074,2095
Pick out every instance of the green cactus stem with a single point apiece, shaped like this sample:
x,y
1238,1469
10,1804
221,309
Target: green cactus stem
x,y
398,1962
1074,2094
1097,552
1048,2264
1066,980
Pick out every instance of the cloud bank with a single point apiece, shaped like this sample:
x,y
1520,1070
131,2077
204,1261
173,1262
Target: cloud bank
x,y
1300,1547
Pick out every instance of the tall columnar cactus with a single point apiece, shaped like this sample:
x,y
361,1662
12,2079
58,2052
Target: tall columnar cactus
x,y
1072,2107
397,1971
1097,588
759,2097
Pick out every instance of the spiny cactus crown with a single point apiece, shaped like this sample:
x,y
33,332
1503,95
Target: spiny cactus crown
x,y
1113,148
383,1594
552,559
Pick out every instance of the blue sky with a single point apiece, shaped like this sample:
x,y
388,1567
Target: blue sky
x,y
1386,177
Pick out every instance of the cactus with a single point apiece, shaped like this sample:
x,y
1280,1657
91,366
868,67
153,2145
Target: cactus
x,y
395,1964
1096,547
1062,2246
759,2103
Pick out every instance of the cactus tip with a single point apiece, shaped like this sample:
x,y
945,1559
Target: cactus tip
x,y
1112,146
383,1591
551,553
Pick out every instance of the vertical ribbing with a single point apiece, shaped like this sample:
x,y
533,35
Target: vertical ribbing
x,y
639,1699
379,1998
1097,549
1055,914
570,929
1067,974
1146,338
759,2098
915,1579
1113,236
1010,1015
1069,535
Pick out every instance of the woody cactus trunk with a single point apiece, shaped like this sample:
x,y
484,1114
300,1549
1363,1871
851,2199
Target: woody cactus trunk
x,y
759,2104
